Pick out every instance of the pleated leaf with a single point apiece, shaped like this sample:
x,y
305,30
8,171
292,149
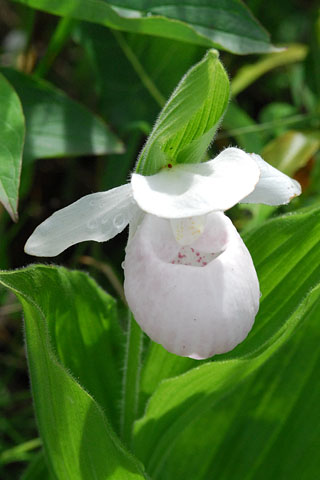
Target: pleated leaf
x,y
188,121
78,440
287,263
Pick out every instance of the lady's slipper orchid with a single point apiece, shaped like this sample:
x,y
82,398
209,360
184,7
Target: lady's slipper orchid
x,y
189,279
196,300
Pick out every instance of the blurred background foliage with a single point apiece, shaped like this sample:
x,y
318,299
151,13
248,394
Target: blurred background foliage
x,y
90,96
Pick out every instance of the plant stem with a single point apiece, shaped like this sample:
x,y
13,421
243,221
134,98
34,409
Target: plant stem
x,y
269,125
131,379
144,77
57,42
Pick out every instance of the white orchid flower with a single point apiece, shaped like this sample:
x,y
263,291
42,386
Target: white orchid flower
x,y
189,279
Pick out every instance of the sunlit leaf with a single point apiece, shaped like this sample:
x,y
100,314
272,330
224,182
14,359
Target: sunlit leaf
x,y
189,119
56,125
77,438
12,128
267,427
286,262
250,73
229,25
291,150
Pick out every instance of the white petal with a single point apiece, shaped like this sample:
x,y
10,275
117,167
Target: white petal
x,y
192,311
274,187
189,190
188,230
99,217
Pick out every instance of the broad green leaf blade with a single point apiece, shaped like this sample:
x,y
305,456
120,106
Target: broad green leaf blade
x,y
286,260
88,339
128,97
12,128
292,150
158,365
229,25
181,400
267,427
77,438
189,119
56,124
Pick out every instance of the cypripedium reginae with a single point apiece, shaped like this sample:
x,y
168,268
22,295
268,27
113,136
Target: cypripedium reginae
x,y
189,279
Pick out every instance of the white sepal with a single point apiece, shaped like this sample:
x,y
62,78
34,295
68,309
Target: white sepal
x,y
193,309
274,187
99,217
189,190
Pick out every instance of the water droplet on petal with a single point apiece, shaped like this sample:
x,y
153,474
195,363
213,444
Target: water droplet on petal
x,y
122,265
119,221
92,225
92,203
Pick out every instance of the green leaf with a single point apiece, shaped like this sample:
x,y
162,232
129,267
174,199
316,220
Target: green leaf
x,y
291,150
312,61
20,452
228,25
140,68
87,343
267,427
286,260
189,119
235,119
158,365
12,128
56,125
248,74
277,113
77,438
37,469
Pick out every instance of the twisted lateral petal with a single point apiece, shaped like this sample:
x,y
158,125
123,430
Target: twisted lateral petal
x,y
274,187
99,217
198,306
189,190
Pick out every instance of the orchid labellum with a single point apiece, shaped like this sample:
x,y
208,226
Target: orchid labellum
x,y
189,279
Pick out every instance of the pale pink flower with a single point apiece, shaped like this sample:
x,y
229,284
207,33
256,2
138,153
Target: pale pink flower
x,y
189,278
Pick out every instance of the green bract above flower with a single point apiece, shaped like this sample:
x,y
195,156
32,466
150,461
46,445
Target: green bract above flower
x,y
189,278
